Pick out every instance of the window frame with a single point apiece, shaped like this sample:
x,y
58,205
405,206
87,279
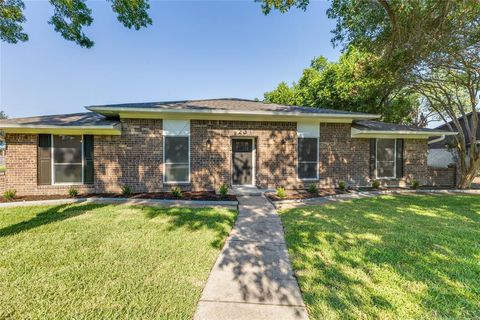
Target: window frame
x,y
165,163
317,176
54,183
394,159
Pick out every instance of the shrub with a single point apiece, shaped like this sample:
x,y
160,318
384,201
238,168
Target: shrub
x,y
415,184
376,184
177,192
10,194
72,192
126,190
342,185
281,192
223,190
312,188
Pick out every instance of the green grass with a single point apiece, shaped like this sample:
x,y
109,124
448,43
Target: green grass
x,y
391,257
89,261
2,168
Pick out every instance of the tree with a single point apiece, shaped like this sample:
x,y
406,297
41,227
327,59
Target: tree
x,y
356,83
427,46
69,18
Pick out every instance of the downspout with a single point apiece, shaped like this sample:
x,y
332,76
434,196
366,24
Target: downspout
x,y
437,140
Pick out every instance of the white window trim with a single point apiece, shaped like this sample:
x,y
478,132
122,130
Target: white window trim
x,y
394,159
53,162
317,162
164,163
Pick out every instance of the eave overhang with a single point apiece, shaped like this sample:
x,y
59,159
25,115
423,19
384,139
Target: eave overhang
x,y
149,113
400,134
114,129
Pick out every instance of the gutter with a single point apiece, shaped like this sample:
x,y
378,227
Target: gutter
x,y
437,140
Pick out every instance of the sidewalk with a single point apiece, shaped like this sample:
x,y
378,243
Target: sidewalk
x,y
252,278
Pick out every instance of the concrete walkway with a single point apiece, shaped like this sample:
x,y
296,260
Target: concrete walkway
x,y
252,278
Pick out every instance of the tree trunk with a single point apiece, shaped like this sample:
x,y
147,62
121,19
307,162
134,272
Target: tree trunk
x,y
468,174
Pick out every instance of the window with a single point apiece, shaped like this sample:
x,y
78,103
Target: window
x,y
385,158
176,159
67,154
308,158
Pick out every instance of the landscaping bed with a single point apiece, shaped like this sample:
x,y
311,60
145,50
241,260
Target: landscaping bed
x,y
199,196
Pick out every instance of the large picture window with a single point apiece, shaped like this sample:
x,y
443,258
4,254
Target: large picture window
x,y
308,158
385,158
67,154
177,159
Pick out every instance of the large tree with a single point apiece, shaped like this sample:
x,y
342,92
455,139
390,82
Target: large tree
x,y
429,46
357,82
69,18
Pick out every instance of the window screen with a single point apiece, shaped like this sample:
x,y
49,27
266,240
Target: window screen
x,y
176,156
67,159
308,158
385,163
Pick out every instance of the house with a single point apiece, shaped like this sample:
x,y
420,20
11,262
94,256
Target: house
x,y
202,144
442,149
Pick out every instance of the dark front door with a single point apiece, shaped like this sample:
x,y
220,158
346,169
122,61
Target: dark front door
x,y
242,159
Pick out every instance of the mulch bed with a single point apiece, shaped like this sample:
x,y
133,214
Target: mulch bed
x,y
201,196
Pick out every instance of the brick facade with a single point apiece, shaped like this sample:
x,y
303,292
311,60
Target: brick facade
x,y
135,158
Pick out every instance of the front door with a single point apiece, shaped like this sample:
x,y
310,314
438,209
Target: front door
x,y
242,160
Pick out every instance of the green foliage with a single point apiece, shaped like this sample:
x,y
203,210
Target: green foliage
x,y
11,19
312,188
342,185
70,17
126,190
415,184
281,193
73,192
177,192
223,190
376,184
10,194
357,82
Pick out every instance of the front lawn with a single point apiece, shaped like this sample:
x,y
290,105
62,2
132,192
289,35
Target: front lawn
x,y
90,261
390,257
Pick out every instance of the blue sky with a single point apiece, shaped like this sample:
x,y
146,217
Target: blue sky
x,y
193,50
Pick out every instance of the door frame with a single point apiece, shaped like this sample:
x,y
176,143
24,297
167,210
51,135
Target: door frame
x,y
254,159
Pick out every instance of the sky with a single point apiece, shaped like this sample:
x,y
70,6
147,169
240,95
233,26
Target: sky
x,y
193,50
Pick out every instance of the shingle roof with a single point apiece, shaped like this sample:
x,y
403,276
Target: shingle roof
x,y
70,120
226,104
368,125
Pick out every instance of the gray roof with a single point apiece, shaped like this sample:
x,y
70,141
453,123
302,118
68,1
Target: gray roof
x,y
368,125
226,104
70,120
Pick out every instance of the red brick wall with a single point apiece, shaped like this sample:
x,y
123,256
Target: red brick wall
x,y
135,158
442,177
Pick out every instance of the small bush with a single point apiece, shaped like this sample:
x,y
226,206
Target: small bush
x,y
126,190
10,194
312,188
223,190
281,192
72,192
342,185
415,184
177,192
376,184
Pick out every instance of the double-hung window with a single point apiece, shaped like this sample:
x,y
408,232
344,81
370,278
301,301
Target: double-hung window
x,y
386,156
67,155
176,151
307,150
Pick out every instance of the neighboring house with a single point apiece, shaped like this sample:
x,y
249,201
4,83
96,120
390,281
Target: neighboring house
x,y
200,145
442,149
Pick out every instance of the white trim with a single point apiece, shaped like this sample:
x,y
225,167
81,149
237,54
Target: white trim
x,y
356,133
118,110
254,160
52,154
394,160
62,130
